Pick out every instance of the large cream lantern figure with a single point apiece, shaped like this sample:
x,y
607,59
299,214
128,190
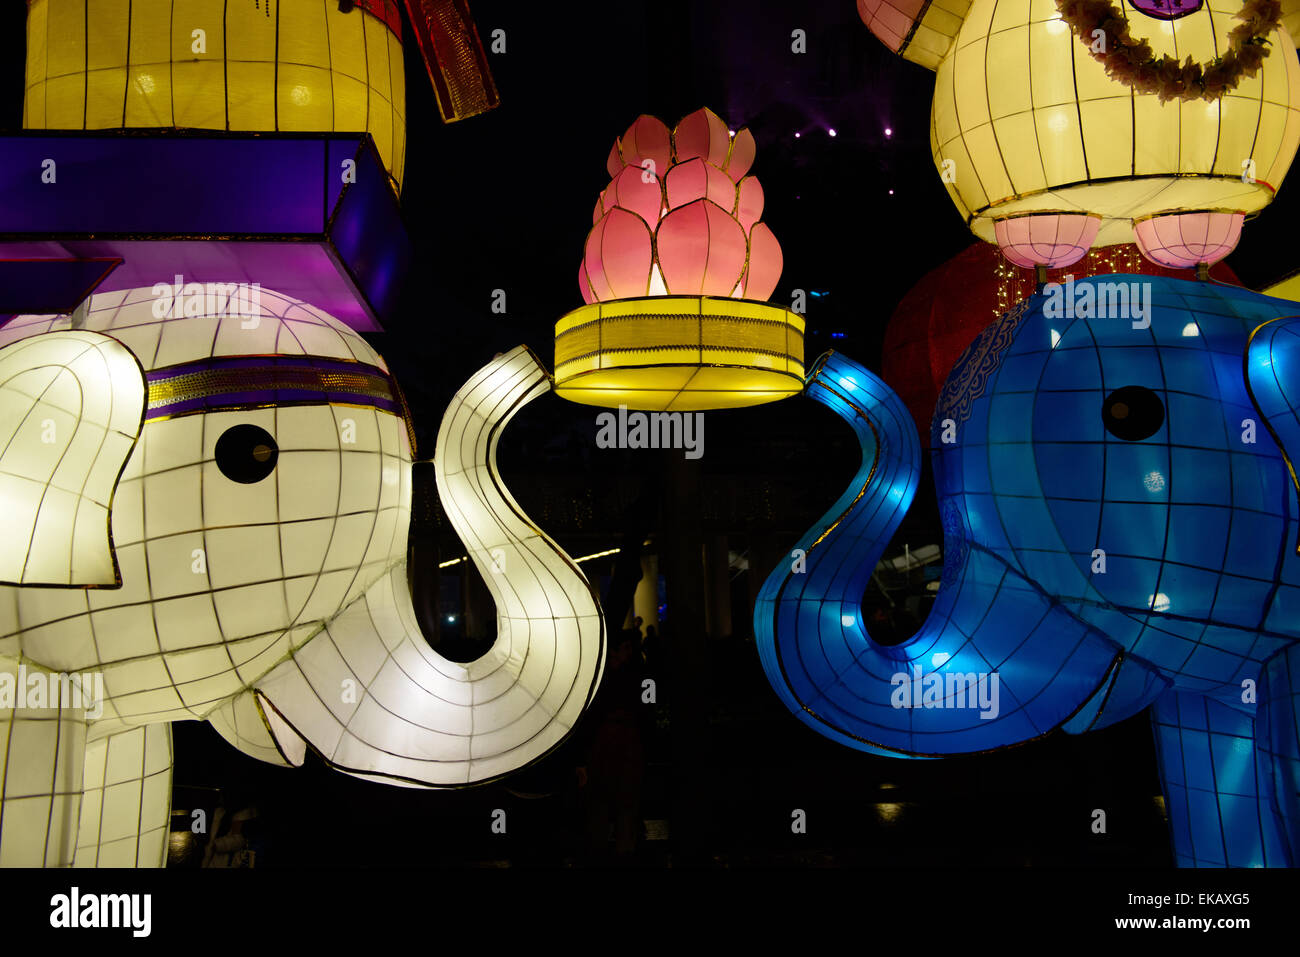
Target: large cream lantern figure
x,y
1058,125
205,488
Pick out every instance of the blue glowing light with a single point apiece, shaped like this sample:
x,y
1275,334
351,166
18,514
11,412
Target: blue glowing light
x,y
1120,528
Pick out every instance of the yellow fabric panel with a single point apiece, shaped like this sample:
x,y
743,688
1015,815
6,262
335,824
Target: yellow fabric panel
x,y
1198,144
381,111
1009,15
984,150
1291,19
348,50
198,79
65,58
676,329
397,103
972,100
933,36
65,37
300,65
1286,289
756,360
1108,135
957,9
942,23
977,23
1061,143
1005,96
1157,128
1272,132
304,34
927,47
1024,166
1041,11
1238,120
972,191
106,48
149,73
681,388
945,124
1282,76
37,54
1051,78
1092,85
250,89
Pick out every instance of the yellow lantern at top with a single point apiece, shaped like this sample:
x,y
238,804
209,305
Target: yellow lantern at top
x,y
1051,138
264,65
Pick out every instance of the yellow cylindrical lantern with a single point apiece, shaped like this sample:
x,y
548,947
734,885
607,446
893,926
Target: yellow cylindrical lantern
x,y
678,353
288,65
1026,120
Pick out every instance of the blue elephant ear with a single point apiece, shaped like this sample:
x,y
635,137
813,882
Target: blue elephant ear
x,y
71,409
1273,381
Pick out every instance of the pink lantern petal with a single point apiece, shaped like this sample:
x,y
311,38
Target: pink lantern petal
x,y
749,208
1046,239
702,134
701,250
614,162
637,191
648,139
696,179
743,151
891,20
618,256
765,263
599,211
584,283
1185,240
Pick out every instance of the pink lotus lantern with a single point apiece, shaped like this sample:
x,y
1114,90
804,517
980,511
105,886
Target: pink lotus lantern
x,y
680,216
1050,240
1188,240
676,272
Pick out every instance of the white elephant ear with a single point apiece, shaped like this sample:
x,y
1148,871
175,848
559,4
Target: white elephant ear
x,y
71,408
258,732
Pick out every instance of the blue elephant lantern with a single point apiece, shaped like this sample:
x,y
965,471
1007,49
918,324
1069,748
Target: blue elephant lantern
x,y
1120,530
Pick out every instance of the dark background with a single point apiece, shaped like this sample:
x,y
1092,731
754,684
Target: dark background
x,y
503,201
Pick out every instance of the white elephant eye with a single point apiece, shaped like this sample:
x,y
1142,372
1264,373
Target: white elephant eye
x,y
1133,413
246,454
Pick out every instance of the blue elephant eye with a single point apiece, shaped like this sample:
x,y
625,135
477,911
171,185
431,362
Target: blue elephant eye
x,y
1133,413
246,454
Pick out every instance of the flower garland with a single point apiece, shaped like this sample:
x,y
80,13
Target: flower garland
x,y
1133,62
